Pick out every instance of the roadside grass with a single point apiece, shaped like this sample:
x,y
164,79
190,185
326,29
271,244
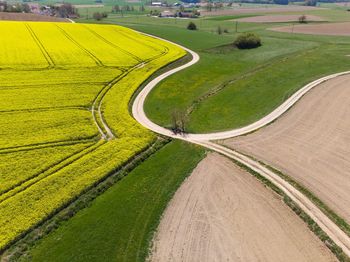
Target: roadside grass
x,y
120,223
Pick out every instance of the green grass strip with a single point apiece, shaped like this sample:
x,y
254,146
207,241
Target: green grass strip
x,y
119,224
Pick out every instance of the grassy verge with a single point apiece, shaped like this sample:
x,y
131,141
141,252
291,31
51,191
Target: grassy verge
x,y
120,223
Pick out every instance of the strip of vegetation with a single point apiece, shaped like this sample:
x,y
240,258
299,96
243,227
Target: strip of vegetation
x,y
84,200
119,224
335,249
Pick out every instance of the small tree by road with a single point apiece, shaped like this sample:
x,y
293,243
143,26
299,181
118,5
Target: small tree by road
x,y
179,120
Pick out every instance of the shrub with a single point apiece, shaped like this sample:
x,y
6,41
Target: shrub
x,y
247,41
192,26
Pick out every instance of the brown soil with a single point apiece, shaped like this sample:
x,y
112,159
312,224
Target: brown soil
x,y
342,29
236,11
222,213
29,17
278,18
311,143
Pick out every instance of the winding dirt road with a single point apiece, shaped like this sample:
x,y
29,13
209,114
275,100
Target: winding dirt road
x,y
327,225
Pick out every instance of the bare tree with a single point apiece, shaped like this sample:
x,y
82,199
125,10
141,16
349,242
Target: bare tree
x,y
179,120
302,19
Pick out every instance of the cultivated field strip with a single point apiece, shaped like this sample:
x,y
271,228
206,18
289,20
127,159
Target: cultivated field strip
x,y
65,98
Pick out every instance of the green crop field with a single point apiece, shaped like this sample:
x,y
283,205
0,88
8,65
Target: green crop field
x,y
65,92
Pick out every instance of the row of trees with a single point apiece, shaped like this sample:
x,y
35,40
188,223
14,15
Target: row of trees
x,y
65,10
126,8
15,8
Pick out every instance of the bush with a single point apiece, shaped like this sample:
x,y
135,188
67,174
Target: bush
x,y
247,41
192,26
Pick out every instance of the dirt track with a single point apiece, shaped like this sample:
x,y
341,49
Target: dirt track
x,y
278,18
341,29
311,143
221,213
237,11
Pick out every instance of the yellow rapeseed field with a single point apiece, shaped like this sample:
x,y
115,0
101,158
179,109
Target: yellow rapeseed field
x,y
65,92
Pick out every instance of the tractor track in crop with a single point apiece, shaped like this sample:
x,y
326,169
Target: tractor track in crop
x,y
41,47
24,185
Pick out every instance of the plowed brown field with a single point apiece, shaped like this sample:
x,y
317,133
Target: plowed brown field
x,y
221,213
341,29
311,143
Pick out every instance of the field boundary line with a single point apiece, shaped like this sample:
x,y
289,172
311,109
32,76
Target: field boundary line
x,y
336,234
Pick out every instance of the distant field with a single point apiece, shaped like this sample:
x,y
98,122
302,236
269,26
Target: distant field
x,y
261,9
65,90
30,17
340,29
279,18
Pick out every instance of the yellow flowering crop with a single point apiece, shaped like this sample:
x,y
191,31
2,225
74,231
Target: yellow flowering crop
x,y
53,79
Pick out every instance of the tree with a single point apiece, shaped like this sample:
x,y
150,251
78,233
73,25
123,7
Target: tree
x,y
303,19
219,30
179,120
97,16
192,26
209,7
142,8
116,9
66,10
